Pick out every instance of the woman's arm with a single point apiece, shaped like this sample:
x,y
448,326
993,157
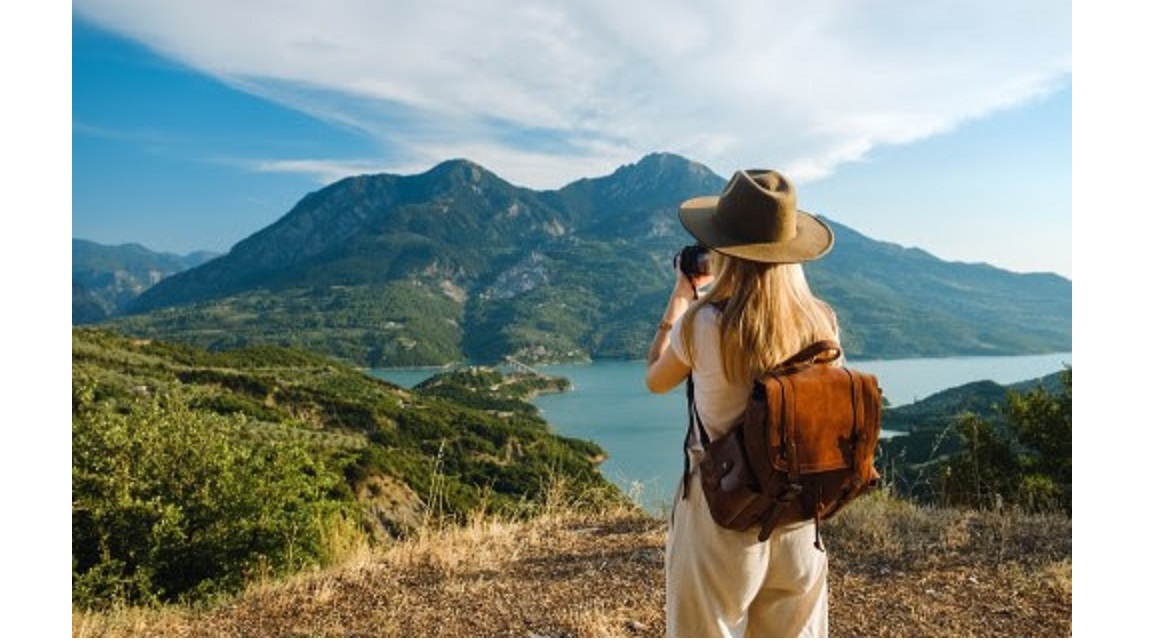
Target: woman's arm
x,y
664,368
667,371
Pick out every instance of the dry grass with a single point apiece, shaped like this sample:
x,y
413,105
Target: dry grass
x,y
897,571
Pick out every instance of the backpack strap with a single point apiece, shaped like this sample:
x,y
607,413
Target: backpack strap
x,y
819,352
693,421
693,418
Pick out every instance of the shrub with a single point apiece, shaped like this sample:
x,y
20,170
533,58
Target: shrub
x,y
172,504
1026,461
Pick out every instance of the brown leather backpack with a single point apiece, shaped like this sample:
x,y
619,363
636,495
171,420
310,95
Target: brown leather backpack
x,y
804,447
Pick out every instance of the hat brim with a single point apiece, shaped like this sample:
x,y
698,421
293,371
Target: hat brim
x,y
813,238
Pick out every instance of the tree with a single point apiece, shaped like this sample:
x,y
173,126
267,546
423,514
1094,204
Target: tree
x,y
1023,457
1041,421
986,471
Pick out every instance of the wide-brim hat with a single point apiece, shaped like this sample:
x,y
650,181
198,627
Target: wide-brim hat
x,y
755,218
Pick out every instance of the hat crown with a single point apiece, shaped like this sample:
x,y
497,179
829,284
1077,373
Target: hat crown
x,y
758,205
756,218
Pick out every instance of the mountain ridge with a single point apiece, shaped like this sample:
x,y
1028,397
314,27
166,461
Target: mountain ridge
x,y
458,264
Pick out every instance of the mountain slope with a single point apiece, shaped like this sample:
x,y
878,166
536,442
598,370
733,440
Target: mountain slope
x,y
898,301
458,264
475,429
375,229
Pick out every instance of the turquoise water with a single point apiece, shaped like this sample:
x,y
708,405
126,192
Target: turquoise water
x,y
643,433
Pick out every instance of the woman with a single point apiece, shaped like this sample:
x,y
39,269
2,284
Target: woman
x,y
756,313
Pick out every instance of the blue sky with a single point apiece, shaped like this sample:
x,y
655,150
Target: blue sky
x,y
196,124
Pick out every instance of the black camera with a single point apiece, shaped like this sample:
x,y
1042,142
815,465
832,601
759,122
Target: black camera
x,y
694,260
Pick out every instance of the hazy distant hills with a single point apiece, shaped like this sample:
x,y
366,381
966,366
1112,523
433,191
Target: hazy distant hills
x,y
105,277
458,264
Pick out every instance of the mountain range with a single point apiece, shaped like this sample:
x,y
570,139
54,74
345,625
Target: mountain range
x,y
457,264
106,278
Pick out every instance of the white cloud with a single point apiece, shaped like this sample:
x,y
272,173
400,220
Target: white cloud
x,y
546,92
323,172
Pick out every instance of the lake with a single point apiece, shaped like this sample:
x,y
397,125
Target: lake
x,y
643,433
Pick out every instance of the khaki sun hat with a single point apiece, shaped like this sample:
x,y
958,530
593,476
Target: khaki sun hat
x,y
755,218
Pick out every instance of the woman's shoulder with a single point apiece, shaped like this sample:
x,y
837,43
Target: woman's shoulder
x,y
704,318
711,310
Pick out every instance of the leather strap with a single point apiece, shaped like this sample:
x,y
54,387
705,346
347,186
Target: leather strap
x,y
857,424
693,421
787,400
691,416
809,355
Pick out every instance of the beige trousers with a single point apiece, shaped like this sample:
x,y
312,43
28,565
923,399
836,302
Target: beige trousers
x,y
723,583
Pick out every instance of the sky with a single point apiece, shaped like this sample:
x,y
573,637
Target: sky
x,y
197,123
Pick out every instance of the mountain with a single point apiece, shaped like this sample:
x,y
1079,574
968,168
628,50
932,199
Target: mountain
x,y
105,278
458,264
896,301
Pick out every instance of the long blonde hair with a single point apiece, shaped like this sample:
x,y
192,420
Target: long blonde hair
x,y
768,314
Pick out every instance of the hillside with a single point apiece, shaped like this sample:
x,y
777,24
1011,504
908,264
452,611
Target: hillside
x,y
456,264
472,427
896,571
928,424
189,466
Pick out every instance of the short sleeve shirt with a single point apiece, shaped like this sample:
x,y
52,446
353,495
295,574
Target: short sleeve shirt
x,y
720,402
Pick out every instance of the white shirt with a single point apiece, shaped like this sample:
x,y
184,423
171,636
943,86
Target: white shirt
x,y
720,403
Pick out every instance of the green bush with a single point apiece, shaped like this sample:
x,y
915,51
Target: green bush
x,y
173,504
1024,461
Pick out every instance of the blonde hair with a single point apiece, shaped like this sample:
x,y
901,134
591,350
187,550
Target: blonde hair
x,y
768,314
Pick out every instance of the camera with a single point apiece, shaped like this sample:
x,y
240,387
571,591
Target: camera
x,y
694,260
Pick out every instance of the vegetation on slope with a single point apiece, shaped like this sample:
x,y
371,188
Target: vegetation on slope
x,y
402,323
192,471
105,278
984,445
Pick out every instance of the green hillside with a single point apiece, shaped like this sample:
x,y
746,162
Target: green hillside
x,y
932,429
229,457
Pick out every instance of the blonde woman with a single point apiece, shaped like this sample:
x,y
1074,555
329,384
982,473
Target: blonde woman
x,y
756,312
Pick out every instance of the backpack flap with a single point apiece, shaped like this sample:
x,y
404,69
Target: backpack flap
x,y
820,436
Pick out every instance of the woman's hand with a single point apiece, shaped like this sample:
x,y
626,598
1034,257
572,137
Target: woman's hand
x,y
665,370
688,287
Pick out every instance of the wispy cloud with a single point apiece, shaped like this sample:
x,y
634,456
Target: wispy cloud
x,y
322,171
145,137
546,92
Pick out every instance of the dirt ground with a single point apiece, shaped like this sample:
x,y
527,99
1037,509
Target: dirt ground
x,y
895,572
